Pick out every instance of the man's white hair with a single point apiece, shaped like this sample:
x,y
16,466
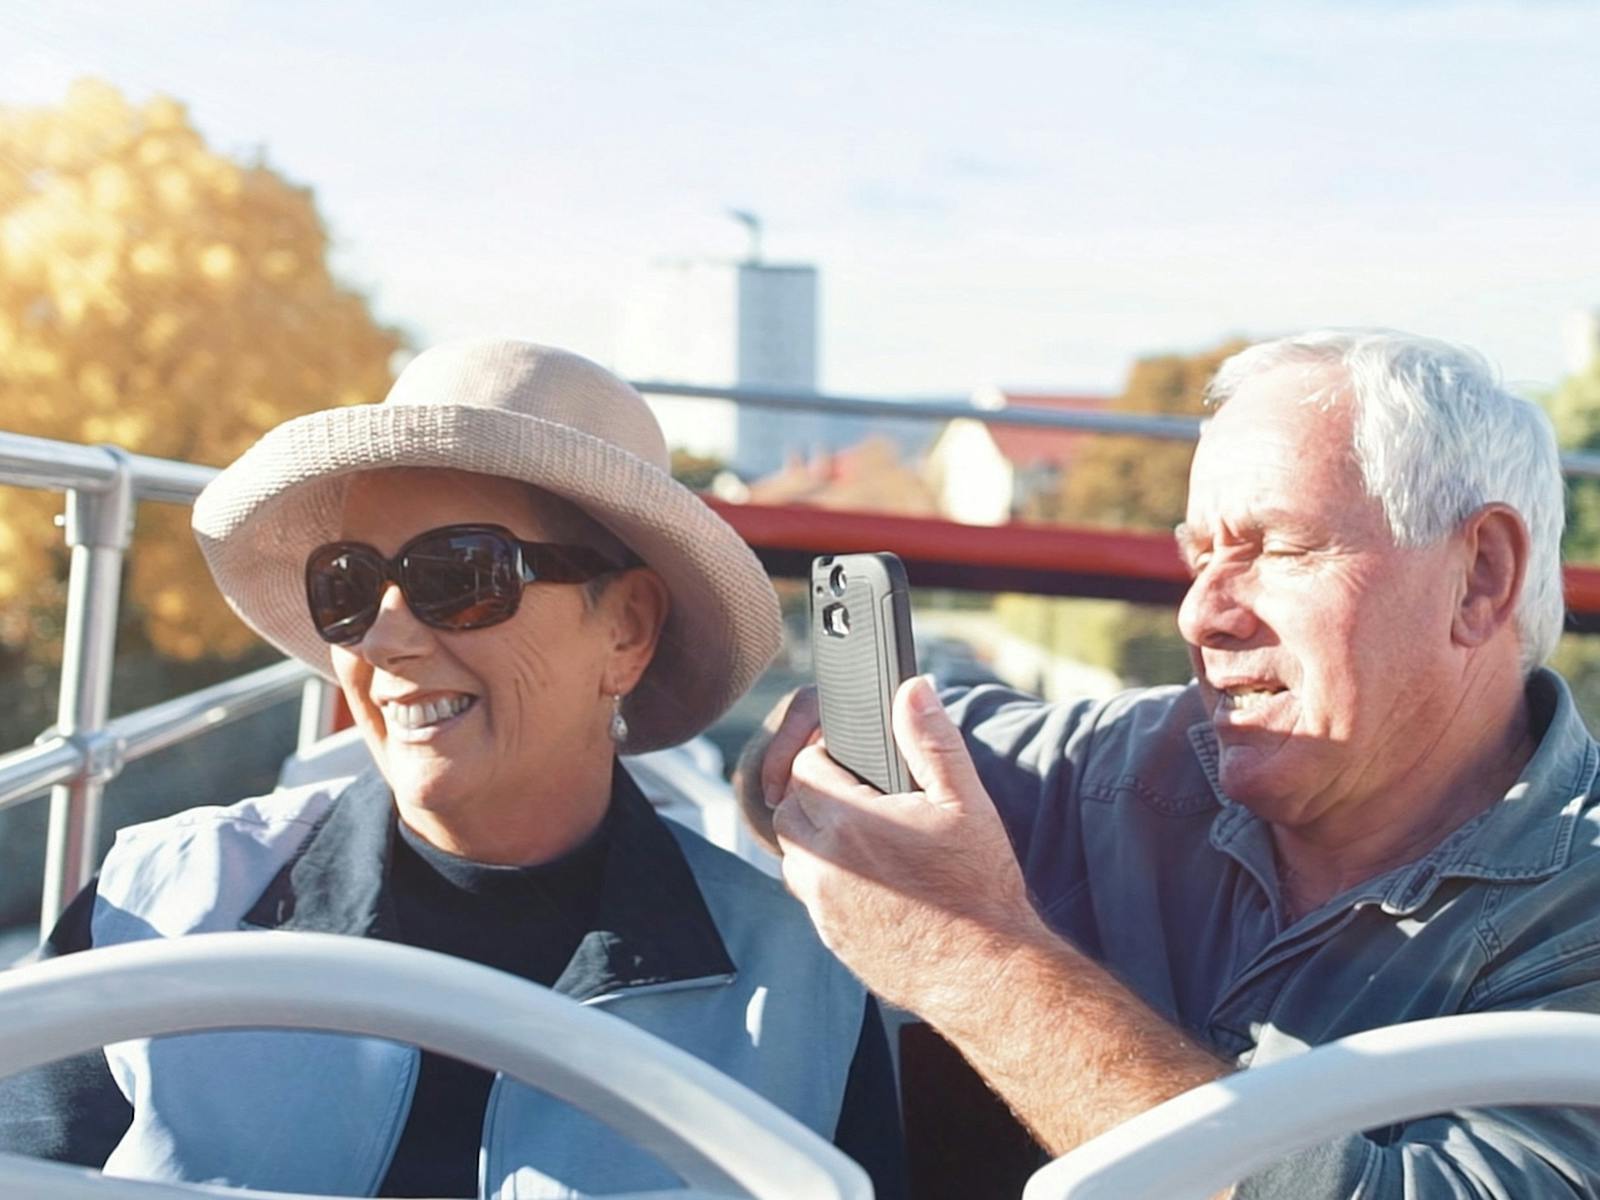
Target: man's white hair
x,y
1437,437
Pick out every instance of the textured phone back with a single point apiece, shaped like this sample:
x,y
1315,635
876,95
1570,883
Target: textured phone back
x,y
857,674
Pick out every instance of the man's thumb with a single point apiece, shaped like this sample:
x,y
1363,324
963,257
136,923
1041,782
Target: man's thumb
x,y
932,744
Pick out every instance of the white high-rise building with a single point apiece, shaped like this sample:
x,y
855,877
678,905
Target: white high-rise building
x,y
777,348
723,324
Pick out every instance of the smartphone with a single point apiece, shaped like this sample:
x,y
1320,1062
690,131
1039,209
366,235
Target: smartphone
x,y
861,651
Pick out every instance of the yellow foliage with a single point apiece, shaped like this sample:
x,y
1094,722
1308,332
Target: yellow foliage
x,y
219,262
156,295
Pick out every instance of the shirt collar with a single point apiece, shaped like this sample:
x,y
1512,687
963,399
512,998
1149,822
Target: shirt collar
x,y
1525,837
651,929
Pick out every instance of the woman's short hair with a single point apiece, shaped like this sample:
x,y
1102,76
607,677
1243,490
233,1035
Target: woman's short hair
x,y
1437,436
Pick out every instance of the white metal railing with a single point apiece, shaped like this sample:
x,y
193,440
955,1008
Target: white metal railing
x,y
54,759
717,1135
1169,427
1196,1144
84,751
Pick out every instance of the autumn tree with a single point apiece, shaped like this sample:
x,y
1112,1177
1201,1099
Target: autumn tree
x,y
1140,483
1124,483
696,471
164,297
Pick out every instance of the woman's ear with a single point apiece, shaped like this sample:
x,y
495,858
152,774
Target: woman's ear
x,y
634,606
1495,542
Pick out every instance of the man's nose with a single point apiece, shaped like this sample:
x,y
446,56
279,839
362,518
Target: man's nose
x,y
395,633
1216,610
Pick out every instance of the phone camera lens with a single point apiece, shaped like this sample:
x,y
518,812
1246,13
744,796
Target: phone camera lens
x,y
836,621
837,581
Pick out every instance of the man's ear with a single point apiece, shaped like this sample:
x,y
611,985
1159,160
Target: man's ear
x,y
634,606
1495,543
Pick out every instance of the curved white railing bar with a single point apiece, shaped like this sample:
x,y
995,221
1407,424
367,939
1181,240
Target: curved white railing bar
x,y
1197,1144
716,1134
35,1180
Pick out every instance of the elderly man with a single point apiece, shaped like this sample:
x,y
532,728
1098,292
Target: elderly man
x,y
1372,804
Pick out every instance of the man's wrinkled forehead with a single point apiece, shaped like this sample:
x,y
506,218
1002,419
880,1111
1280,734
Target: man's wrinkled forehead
x,y
1265,451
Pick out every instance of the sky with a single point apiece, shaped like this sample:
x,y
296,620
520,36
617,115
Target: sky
x,y
1008,192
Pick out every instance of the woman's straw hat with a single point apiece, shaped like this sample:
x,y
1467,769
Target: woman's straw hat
x,y
520,411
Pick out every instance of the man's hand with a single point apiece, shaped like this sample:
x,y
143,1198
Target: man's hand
x,y
762,774
920,894
911,891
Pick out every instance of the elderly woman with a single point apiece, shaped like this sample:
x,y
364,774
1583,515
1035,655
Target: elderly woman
x,y
509,589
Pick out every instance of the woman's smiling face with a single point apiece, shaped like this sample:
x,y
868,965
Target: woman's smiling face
x,y
469,727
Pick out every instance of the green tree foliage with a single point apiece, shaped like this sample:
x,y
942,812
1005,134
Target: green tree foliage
x,y
161,296
1575,412
695,471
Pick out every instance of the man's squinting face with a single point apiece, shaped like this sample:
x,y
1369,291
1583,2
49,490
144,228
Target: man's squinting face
x,y
478,717
1323,651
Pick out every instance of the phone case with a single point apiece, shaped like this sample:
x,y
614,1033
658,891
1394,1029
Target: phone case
x,y
862,650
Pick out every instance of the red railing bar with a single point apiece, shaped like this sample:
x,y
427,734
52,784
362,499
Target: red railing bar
x,y
1057,559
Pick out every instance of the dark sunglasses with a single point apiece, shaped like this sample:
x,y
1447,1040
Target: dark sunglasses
x,y
454,577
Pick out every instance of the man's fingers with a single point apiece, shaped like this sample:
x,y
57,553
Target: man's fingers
x,y
932,745
816,770
795,730
792,824
762,773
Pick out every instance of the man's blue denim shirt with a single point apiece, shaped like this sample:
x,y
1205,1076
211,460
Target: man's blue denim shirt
x,y
1133,852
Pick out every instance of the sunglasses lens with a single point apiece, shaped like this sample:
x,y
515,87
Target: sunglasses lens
x,y
461,580
343,586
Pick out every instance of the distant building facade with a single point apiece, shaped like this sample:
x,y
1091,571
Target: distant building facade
x,y
776,347
986,474
726,324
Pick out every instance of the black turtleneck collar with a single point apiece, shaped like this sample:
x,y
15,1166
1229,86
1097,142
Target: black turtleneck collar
x,y
650,924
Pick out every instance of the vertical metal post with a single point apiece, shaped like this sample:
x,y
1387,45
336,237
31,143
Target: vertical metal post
x,y
98,527
318,704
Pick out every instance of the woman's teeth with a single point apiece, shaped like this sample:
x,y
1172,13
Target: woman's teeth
x,y
431,712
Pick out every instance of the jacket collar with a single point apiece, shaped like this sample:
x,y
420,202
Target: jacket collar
x,y
651,930
1525,837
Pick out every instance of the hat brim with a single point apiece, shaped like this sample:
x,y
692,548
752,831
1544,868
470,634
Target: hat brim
x,y
259,518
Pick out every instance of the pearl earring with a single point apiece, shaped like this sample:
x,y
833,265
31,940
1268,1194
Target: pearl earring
x,y
619,723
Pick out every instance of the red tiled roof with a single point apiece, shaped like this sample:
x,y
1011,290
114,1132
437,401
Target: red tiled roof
x,y
1025,447
866,476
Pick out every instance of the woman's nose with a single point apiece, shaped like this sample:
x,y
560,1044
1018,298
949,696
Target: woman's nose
x,y
395,631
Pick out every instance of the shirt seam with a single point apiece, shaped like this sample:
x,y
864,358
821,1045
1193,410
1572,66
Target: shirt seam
x,y
1053,909
1189,804
1562,958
